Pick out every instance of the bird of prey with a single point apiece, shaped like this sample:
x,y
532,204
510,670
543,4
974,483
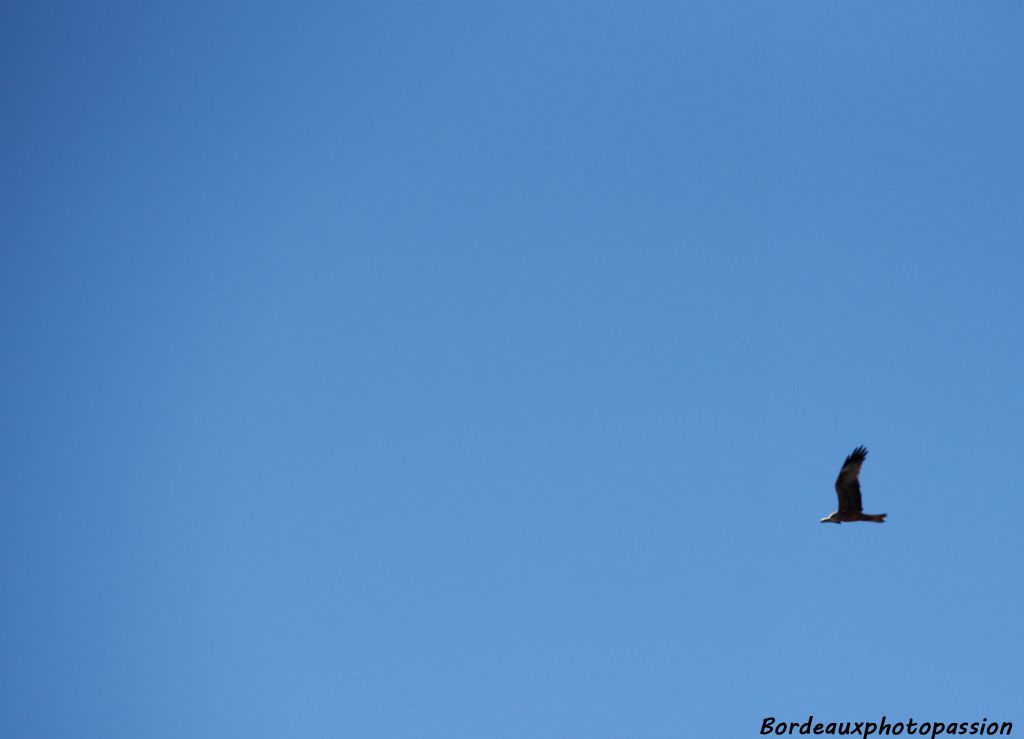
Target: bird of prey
x,y
848,490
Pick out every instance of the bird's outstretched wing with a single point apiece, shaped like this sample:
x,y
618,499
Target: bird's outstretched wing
x,y
847,484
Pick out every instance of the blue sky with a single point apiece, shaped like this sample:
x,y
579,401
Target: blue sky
x,y
464,370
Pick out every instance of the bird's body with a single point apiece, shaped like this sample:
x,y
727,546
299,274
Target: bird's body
x,y
848,491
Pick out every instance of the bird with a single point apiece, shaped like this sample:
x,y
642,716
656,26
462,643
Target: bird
x,y
848,490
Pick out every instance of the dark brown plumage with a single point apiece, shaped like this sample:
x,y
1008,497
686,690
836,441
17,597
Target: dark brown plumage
x,y
848,492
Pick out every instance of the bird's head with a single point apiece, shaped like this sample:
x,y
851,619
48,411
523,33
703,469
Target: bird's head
x,y
831,518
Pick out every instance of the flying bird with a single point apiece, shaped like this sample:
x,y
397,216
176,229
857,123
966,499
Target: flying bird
x,y
848,490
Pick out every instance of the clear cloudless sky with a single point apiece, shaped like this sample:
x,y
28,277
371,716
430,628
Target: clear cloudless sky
x,y
483,369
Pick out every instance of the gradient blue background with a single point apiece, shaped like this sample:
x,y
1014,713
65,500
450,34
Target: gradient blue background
x,y
483,370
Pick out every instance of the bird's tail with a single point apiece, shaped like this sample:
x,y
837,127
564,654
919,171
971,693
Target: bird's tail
x,y
876,517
